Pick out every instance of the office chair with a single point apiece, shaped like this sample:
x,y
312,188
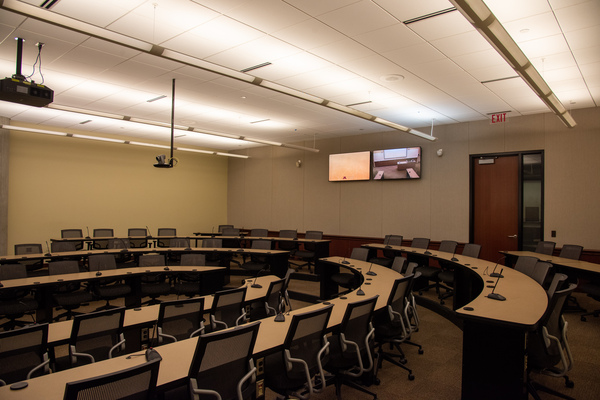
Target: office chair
x,y
541,271
137,382
392,325
24,354
96,336
350,347
222,366
180,244
258,262
388,254
25,249
223,227
68,296
73,233
399,264
548,350
61,247
137,243
526,265
165,232
259,232
297,370
430,273
106,288
308,253
15,303
102,232
571,251
180,319
288,245
349,280
228,309
545,247
273,302
212,258
188,283
446,276
153,285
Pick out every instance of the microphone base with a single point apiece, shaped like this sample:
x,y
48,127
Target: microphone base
x,y
279,318
360,292
496,275
496,296
371,273
454,259
345,262
256,286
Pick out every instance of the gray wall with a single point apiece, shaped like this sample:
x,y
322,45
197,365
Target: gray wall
x,y
269,191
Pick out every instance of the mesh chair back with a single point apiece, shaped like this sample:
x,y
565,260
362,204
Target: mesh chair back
x,y
471,250
410,268
228,307
275,296
230,231
288,233
359,253
420,243
58,247
261,244
23,353
118,243
222,359
64,267
304,340
180,319
28,248
288,245
448,246
97,334
192,260
214,243
399,264
391,240
398,298
558,281
137,243
135,383
151,260
526,265
571,251
540,271
357,321
73,233
223,227
100,262
165,232
259,232
102,232
180,242
12,271
545,247
310,246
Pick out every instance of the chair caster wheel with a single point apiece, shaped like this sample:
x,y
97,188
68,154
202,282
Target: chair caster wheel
x,y
420,351
411,377
570,384
584,319
442,302
376,381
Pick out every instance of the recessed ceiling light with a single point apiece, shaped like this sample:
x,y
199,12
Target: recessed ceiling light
x,y
525,30
392,77
156,98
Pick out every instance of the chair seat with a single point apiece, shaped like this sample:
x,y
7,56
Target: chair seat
x,y
156,288
305,254
428,272
113,291
18,306
191,288
591,289
446,277
72,299
344,280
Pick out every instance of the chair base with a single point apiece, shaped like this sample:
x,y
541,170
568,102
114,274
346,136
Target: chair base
x,y
391,357
341,381
595,313
533,388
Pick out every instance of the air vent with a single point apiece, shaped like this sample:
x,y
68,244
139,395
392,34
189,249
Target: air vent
x,y
48,4
257,66
427,16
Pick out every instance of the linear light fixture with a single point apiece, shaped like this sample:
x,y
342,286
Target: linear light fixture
x,y
104,139
127,41
482,18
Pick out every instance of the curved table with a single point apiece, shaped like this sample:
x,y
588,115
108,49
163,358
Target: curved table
x,y
494,332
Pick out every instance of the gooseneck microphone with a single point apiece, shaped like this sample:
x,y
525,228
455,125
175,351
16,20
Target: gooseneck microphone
x,y
88,232
453,253
494,274
496,296
48,248
371,273
148,234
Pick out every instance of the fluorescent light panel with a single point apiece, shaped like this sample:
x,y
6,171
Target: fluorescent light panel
x,y
480,16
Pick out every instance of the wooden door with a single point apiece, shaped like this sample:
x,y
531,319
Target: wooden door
x,y
495,205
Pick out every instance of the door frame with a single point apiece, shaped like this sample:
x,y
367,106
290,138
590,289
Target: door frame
x,y
520,154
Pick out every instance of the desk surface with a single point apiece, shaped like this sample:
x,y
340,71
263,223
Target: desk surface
x,y
526,300
565,262
176,357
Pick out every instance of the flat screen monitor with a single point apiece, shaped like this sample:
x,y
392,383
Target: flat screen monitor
x,y
350,166
400,163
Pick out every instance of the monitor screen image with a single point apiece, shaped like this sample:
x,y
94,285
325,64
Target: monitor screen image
x,y
350,166
401,163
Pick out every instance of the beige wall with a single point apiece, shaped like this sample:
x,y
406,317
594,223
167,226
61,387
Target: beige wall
x,y
269,191
59,182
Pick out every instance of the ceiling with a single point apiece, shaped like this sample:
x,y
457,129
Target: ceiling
x,y
365,54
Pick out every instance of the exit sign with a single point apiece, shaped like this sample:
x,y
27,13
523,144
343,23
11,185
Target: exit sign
x,y
498,118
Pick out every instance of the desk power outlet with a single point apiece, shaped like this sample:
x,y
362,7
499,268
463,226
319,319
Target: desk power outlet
x,y
260,366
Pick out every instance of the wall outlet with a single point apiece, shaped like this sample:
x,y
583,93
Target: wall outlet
x,y
145,334
260,388
260,366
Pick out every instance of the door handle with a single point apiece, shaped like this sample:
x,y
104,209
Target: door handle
x,y
512,236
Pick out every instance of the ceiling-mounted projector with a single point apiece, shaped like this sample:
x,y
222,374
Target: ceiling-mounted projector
x,y
162,162
19,90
